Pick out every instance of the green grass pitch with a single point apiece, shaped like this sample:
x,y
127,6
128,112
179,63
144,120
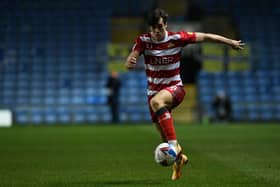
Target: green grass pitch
x,y
122,155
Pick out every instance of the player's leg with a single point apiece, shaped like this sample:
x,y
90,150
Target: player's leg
x,y
159,129
160,105
178,94
170,98
157,125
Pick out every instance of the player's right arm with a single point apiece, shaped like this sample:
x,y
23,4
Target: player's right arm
x,y
137,49
131,60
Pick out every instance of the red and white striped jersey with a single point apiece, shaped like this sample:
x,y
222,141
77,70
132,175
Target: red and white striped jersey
x,y
162,58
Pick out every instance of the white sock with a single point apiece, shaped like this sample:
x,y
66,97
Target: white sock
x,y
173,142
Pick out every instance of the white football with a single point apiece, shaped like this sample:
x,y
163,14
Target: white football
x,y
165,154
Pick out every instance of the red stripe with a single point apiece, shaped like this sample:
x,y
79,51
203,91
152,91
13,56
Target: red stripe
x,y
163,73
158,87
166,45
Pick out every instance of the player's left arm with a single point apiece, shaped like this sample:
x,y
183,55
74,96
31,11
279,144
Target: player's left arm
x,y
208,37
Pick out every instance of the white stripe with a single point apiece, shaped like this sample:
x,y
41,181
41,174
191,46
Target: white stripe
x,y
164,80
166,38
149,39
151,92
145,39
162,67
174,37
163,52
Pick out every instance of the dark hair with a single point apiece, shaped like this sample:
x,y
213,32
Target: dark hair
x,y
155,16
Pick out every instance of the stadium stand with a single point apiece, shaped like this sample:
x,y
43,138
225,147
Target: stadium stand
x,y
53,61
253,92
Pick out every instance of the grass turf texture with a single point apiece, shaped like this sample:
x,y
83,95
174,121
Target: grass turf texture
x,y
232,155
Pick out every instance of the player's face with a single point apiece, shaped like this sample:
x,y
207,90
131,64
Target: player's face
x,y
158,30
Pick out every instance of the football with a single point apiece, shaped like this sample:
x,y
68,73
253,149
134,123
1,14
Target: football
x,y
165,154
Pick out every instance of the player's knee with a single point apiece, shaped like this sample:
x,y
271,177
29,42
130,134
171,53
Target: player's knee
x,y
156,104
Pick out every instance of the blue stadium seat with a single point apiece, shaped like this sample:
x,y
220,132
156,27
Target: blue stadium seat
x,y
64,115
236,98
36,116
50,116
79,117
98,100
253,113
92,117
238,113
21,115
135,117
50,100
266,112
78,100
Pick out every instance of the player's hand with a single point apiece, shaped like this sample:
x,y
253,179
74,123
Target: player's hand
x,y
131,62
237,44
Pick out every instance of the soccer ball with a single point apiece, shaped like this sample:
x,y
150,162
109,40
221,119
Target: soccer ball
x,y
165,154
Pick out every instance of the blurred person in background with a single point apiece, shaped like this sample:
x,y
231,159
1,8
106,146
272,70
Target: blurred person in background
x,y
221,106
162,52
113,85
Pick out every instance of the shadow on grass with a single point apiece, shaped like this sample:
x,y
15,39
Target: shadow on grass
x,y
128,182
113,182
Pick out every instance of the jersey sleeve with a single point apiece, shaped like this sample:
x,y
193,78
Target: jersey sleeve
x,y
187,37
138,45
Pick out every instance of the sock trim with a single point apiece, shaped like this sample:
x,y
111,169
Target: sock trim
x,y
161,111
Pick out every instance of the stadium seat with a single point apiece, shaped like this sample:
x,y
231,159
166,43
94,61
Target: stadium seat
x,y
36,116
266,112
21,115
64,115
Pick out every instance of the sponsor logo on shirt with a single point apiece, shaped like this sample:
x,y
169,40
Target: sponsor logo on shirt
x,y
161,60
